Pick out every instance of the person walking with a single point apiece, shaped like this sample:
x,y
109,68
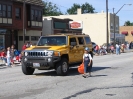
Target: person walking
x,y
117,49
8,57
87,60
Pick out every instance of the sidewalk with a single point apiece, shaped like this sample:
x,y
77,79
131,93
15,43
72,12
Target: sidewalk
x,y
126,51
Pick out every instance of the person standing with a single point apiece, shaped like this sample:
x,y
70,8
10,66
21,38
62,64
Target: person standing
x,y
8,57
12,54
87,60
112,49
117,49
24,47
127,47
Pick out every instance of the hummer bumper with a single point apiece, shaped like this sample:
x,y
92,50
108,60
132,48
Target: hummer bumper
x,y
40,62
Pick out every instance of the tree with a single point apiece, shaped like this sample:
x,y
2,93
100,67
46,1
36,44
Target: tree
x,y
86,8
128,23
51,9
73,9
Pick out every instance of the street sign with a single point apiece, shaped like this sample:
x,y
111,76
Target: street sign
x,y
76,25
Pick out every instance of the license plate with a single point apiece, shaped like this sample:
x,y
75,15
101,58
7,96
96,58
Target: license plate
x,y
36,65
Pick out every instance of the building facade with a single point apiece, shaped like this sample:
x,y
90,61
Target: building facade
x,y
94,24
128,32
56,25
20,22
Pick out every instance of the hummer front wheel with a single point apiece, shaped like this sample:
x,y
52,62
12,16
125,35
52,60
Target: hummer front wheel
x,y
27,70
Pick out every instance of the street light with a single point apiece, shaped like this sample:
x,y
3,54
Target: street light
x,y
114,14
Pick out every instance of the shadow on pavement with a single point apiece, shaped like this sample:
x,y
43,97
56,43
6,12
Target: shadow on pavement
x,y
72,72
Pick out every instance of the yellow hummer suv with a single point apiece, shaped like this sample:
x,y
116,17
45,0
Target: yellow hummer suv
x,y
55,52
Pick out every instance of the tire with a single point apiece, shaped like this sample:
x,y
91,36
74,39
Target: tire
x,y
59,67
27,70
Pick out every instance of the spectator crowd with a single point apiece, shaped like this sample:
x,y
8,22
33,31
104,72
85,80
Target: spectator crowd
x,y
117,49
11,55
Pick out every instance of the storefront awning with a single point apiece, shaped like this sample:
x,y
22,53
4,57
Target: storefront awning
x,y
124,32
132,32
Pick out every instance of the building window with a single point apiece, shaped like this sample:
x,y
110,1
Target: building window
x,y
4,10
112,27
117,27
27,38
0,10
35,38
20,38
32,15
18,13
36,15
9,13
40,16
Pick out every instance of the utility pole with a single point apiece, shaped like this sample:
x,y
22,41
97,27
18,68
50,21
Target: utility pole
x,y
107,24
24,20
114,25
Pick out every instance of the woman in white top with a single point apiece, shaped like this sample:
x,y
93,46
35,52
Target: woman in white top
x,y
8,57
87,60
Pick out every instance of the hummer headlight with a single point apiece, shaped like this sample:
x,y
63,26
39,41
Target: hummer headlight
x,y
26,53
56,53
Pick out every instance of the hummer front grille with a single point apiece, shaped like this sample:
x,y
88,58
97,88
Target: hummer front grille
x,y
36,54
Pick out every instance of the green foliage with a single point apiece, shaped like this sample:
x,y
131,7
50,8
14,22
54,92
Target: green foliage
x,y
128,23
86,8
51,9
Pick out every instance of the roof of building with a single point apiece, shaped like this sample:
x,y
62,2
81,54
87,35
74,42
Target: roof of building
x,y
34,2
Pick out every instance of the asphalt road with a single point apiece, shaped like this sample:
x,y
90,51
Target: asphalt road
x,y
112,78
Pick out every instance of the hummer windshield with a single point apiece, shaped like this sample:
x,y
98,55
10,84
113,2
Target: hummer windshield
x,y
52,41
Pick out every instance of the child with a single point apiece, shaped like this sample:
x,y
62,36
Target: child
x,y
8,57
87,60
3,56
112,49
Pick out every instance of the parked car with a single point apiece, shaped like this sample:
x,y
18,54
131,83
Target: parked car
x,y
93,45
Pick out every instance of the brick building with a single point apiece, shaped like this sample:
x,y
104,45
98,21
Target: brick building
x,y
19,15
128,32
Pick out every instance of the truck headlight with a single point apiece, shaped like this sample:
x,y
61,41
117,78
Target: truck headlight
x,y
26,53
56,53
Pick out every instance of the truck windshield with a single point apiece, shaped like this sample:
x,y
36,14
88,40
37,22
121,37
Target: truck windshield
x,y
52,41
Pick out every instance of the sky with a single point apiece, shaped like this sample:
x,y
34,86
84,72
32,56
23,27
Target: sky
x,y
125,14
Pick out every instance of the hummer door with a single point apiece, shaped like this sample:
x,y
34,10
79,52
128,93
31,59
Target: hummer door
x,y
73,52
81,46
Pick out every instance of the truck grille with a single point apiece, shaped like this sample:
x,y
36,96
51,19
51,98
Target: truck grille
x,y
36,54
